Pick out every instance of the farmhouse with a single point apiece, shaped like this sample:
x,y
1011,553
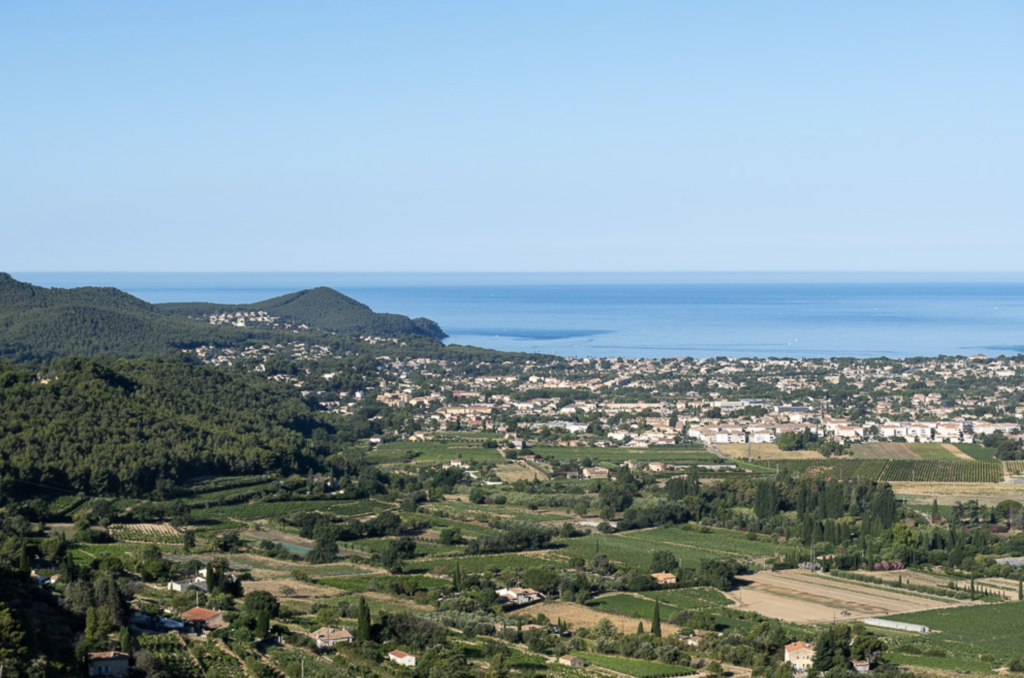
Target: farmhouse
x,y
664,578
203,620
108,664
186,584
329,637
570,660
861,665
595,472
518,596
800,655
403,658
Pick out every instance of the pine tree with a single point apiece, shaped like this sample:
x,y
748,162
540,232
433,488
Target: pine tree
x,y
656,620
363,627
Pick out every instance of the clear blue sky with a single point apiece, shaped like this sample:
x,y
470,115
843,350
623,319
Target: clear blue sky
x,y
516,136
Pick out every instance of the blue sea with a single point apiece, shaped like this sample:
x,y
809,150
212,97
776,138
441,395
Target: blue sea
x,y
652,315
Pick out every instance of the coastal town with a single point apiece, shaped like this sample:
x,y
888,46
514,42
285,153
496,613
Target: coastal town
x,y
637,403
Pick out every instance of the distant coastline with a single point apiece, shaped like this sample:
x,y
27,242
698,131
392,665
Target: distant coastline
x,y
653,314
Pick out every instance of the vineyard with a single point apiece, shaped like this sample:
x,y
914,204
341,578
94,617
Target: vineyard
x,y
158,533
901,470
894,470
989,628
635,667
215,661
171,654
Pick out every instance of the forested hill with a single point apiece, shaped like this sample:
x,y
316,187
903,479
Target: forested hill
x,y
37,323
129,426
320,308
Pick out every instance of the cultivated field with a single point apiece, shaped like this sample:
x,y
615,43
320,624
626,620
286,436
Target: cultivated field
x,y
882,451
947,494
581,615
763,451
804,598
513,472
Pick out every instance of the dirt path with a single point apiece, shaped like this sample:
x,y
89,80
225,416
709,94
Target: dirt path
x,y
957,452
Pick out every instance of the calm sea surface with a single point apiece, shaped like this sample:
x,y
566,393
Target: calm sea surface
x,y
652,315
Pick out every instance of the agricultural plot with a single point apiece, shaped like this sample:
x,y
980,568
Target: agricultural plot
x,y
840,469
994,629
896,470
215,661
976,451
634,549
763,451
171,654
931,451
156,533
691,598
679,454
361,584
803,598
65,505
283,508
629,605
943,471
635,667
882,451
725,541
958,664
487,563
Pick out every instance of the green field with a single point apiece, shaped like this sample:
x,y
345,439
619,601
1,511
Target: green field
x,y
634,667
881,451
376,582
895,470
630,606
993,628
976,451
931,451
688,546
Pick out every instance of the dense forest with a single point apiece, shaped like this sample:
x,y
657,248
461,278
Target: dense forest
x,y
38,323
135,426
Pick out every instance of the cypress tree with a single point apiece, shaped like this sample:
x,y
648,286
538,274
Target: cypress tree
x,y
363,627
640,628
656,621
125,640
457,578
935,510
24,564
263,624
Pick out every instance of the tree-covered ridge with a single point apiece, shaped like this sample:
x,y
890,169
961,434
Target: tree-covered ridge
x,y
324,309
132,426
38,323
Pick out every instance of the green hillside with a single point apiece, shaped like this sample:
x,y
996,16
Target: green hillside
x,y
320,308
128,426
